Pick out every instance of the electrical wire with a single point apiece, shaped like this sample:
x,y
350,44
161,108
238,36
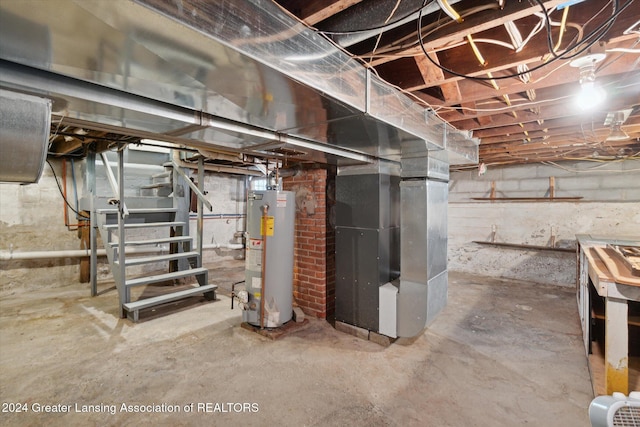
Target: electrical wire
x,y
370,29
380,35
496,110
556,57
599,29
594,169
434,26
62,193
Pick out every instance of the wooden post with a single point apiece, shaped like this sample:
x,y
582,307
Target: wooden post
x,y
552,187
616,348
493,190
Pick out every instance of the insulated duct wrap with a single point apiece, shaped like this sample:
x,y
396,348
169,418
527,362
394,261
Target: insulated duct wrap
x,y
24,131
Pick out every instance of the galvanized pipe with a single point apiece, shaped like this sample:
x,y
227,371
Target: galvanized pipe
x,y
124,291
200,207
93,239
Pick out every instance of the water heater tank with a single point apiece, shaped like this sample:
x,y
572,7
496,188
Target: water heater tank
x,y
270,215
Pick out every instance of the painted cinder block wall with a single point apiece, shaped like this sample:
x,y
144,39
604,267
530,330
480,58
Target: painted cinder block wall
x,y
314,265
609,205
32,219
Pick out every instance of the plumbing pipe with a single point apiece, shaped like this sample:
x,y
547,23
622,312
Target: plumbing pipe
x,y
64,192
65,201
265,210
72,253
219,169
223,246
80,253
75,185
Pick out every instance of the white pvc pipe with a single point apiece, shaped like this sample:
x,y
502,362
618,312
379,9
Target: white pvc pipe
x,y
80,253
72,253
223,246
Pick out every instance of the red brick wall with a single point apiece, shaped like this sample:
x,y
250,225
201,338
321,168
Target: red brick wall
x,y
314,260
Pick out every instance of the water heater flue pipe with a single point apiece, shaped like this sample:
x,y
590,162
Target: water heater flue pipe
x,y
276,174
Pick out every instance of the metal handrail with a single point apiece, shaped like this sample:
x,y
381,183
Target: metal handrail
x,y
192,186
113,183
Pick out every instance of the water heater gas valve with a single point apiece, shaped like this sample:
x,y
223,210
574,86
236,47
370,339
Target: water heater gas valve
x,y
242,297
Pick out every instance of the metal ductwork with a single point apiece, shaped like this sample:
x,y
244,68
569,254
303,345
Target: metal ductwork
x,y
244,77
391,243
239,75
424,193
24,134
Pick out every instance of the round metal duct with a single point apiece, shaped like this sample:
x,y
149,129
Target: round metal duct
x,y
24,133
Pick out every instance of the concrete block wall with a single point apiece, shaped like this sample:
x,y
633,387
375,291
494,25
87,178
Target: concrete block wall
x,y
224,224
593,181
314,265
610,205
32,219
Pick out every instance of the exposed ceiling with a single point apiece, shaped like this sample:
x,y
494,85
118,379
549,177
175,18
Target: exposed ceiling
x,y
530,117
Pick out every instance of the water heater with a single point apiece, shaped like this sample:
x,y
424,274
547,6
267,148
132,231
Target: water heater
x,y
269,244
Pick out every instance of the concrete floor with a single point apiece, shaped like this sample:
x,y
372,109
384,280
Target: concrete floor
x,y
502,353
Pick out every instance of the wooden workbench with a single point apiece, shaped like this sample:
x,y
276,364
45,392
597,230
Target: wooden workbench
x,y
610,369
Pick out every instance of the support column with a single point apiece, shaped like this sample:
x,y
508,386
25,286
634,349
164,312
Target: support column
x,y
93,239
616,346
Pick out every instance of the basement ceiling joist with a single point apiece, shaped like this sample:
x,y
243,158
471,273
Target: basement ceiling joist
x,y
518,119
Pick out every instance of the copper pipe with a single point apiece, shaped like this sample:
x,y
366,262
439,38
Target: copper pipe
x,y
64,203
265,210
64,192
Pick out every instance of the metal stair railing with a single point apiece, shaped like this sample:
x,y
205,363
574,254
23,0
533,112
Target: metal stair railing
x,y
116,250
199,192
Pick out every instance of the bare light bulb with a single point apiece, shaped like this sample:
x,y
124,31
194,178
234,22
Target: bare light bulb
x,y
590,96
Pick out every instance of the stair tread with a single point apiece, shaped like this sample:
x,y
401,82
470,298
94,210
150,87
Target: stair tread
x,y
165,276
161,299
156,185
161,174
157,258
174,239
146,224
138,210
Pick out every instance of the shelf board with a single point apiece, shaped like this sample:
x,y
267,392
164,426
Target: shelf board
x,y
521,246
528,199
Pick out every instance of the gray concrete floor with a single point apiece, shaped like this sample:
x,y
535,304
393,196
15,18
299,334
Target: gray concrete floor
x,y
502,353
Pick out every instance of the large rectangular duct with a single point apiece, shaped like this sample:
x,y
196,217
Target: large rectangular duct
x,y
422,292
229,74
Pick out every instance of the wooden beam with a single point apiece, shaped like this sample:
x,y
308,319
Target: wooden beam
x,y
453,32
430,73
616,63
63,146
319,10
500,60
588,129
